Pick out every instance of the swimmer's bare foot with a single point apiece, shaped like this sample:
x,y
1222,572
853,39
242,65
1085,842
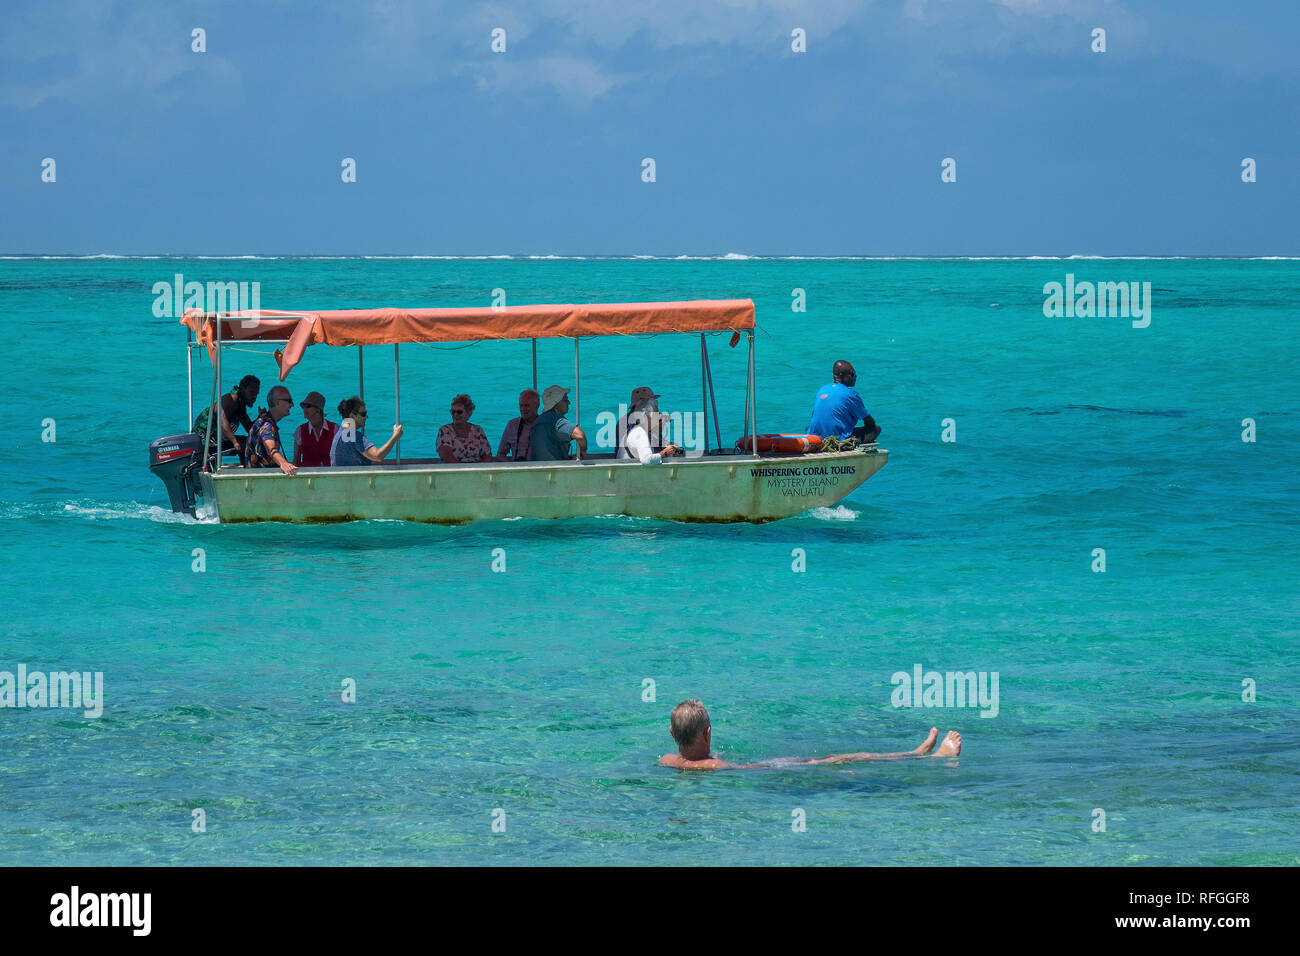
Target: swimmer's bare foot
x,y
951,746
926,747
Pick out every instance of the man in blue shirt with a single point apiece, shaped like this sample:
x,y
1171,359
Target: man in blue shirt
x,y
839,406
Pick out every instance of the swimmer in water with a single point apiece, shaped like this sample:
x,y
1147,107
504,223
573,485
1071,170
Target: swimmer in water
x,y
691,729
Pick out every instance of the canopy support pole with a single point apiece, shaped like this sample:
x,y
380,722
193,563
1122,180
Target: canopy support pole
x,y
207,432
746,428
577,391
397,399
534,365
189,374
753,401
704,389
713,400
214,414
361,374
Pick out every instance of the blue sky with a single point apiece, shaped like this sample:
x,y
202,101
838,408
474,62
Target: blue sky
x,y
758,149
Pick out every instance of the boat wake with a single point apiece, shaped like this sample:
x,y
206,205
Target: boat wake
x,y
116,512
100,511
838,513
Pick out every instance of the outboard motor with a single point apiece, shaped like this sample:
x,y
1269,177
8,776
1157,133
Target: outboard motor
x,y
176,460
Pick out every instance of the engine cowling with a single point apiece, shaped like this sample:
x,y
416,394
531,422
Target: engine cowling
x,y
176,460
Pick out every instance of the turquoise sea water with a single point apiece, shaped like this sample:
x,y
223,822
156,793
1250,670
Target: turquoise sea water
x,y
523,690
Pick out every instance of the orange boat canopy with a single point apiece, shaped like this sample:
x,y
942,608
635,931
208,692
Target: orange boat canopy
x,y
395,326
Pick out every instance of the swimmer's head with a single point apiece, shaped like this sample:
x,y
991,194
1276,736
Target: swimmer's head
x,y
690,722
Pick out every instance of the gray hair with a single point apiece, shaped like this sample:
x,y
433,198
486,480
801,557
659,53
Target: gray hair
x,y
689,722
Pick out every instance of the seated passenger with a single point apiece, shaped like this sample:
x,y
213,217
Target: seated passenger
x,y
459,440
643,417
351,447
643,430
314,438
551,433
839,406
264,449
514,440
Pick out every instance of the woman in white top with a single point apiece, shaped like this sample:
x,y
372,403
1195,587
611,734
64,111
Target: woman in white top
x,y
637,444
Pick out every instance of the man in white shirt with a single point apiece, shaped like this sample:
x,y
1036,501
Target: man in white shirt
x,y
637,443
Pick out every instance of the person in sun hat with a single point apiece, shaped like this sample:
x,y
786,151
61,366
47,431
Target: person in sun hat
x,y
643,397
640,431
313,439
551,432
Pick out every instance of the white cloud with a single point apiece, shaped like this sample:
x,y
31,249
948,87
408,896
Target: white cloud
x,y
1078,9
751,23
86,51
575,79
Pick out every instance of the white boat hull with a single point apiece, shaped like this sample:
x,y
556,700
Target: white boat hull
x,y
723,488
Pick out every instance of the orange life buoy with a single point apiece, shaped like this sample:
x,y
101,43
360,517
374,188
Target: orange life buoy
x,y
786,444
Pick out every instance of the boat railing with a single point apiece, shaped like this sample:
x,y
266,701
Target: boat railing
x,y
606,459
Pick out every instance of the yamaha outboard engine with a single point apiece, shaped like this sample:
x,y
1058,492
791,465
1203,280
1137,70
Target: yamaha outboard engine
x,y
176,460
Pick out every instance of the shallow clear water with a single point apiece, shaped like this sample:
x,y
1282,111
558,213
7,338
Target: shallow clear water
x,y
523,691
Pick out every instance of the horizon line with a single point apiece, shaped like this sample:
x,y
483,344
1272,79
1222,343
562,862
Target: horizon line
x,y
724,257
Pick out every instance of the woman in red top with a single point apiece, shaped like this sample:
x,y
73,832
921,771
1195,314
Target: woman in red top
x,y
313,438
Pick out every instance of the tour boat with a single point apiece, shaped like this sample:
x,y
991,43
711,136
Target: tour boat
x,y
723,483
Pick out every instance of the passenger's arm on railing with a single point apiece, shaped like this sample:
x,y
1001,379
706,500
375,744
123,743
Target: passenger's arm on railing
x,y
286,466
379,454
